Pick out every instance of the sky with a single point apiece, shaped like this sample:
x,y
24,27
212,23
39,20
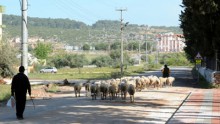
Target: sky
x,y
141,12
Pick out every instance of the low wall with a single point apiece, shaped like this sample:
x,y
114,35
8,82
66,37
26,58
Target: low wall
x,y
210,75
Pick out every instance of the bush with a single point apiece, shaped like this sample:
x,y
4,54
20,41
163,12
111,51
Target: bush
x,y
72,60
152,66
5,92
118,74
86,47
175,59
102,61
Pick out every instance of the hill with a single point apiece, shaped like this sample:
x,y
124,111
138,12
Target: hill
x,y
75,32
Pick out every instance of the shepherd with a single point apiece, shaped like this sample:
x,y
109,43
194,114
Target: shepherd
x,y
19,87
166,71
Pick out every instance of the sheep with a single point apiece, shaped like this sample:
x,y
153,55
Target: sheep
x,y
147,80
112,91
104,89
170,81
138,84
131,91
87,87
155,81
124,89
66,82
77,88
163,81
117,84
114,87
95,89
144,82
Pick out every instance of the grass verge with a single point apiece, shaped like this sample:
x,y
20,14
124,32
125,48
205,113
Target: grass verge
x,y
5,92
85,73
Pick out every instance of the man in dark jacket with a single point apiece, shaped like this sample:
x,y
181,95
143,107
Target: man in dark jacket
x,y
19,87
166,71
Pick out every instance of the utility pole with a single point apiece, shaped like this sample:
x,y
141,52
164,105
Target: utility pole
x,y
146,47
24,40
122,26
139,52
157,56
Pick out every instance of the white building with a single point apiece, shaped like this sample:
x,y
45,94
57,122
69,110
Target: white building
x,y
170,42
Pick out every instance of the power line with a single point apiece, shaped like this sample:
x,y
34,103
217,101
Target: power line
x,y
85,10
67,6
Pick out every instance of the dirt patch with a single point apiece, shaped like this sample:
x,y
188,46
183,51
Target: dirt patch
x,y
2,81
41,91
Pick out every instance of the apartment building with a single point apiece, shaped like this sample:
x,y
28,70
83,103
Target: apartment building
x,y
170,42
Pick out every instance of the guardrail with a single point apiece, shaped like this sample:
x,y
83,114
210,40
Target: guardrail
x,y
210,75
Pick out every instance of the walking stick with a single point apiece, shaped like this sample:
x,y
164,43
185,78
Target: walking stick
x,y
32,101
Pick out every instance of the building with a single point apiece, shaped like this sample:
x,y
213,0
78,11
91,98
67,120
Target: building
x,y
170,42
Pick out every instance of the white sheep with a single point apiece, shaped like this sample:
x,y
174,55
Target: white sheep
x,y
163,81
77,88
155,81
170,81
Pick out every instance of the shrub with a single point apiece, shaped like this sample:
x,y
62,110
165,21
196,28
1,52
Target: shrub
x,y
102,61
5,92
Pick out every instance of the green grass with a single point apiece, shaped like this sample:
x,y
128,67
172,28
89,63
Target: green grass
x,y
86,73
5,92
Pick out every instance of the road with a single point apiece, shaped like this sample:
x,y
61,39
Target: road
x,y
150,106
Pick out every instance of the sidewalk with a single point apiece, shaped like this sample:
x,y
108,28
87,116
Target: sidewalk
x,y
201,107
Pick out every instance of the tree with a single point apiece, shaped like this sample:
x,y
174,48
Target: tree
x,y
8,60
116,56
86,47
77,61
102,61
42,50
133,46
116,45
101,46
200,22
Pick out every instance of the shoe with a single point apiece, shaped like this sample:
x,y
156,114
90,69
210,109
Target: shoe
x,y
20,118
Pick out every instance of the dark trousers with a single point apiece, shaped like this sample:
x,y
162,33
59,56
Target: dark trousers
x,y
20,104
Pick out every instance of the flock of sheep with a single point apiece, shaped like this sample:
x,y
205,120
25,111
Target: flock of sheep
x,y
127,85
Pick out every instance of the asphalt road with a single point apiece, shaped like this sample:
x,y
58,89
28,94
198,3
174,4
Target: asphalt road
x,y
150,106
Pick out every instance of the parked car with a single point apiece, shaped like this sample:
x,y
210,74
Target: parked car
x,y
49,70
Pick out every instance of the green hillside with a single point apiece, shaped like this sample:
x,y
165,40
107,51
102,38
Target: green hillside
x,y
75,32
